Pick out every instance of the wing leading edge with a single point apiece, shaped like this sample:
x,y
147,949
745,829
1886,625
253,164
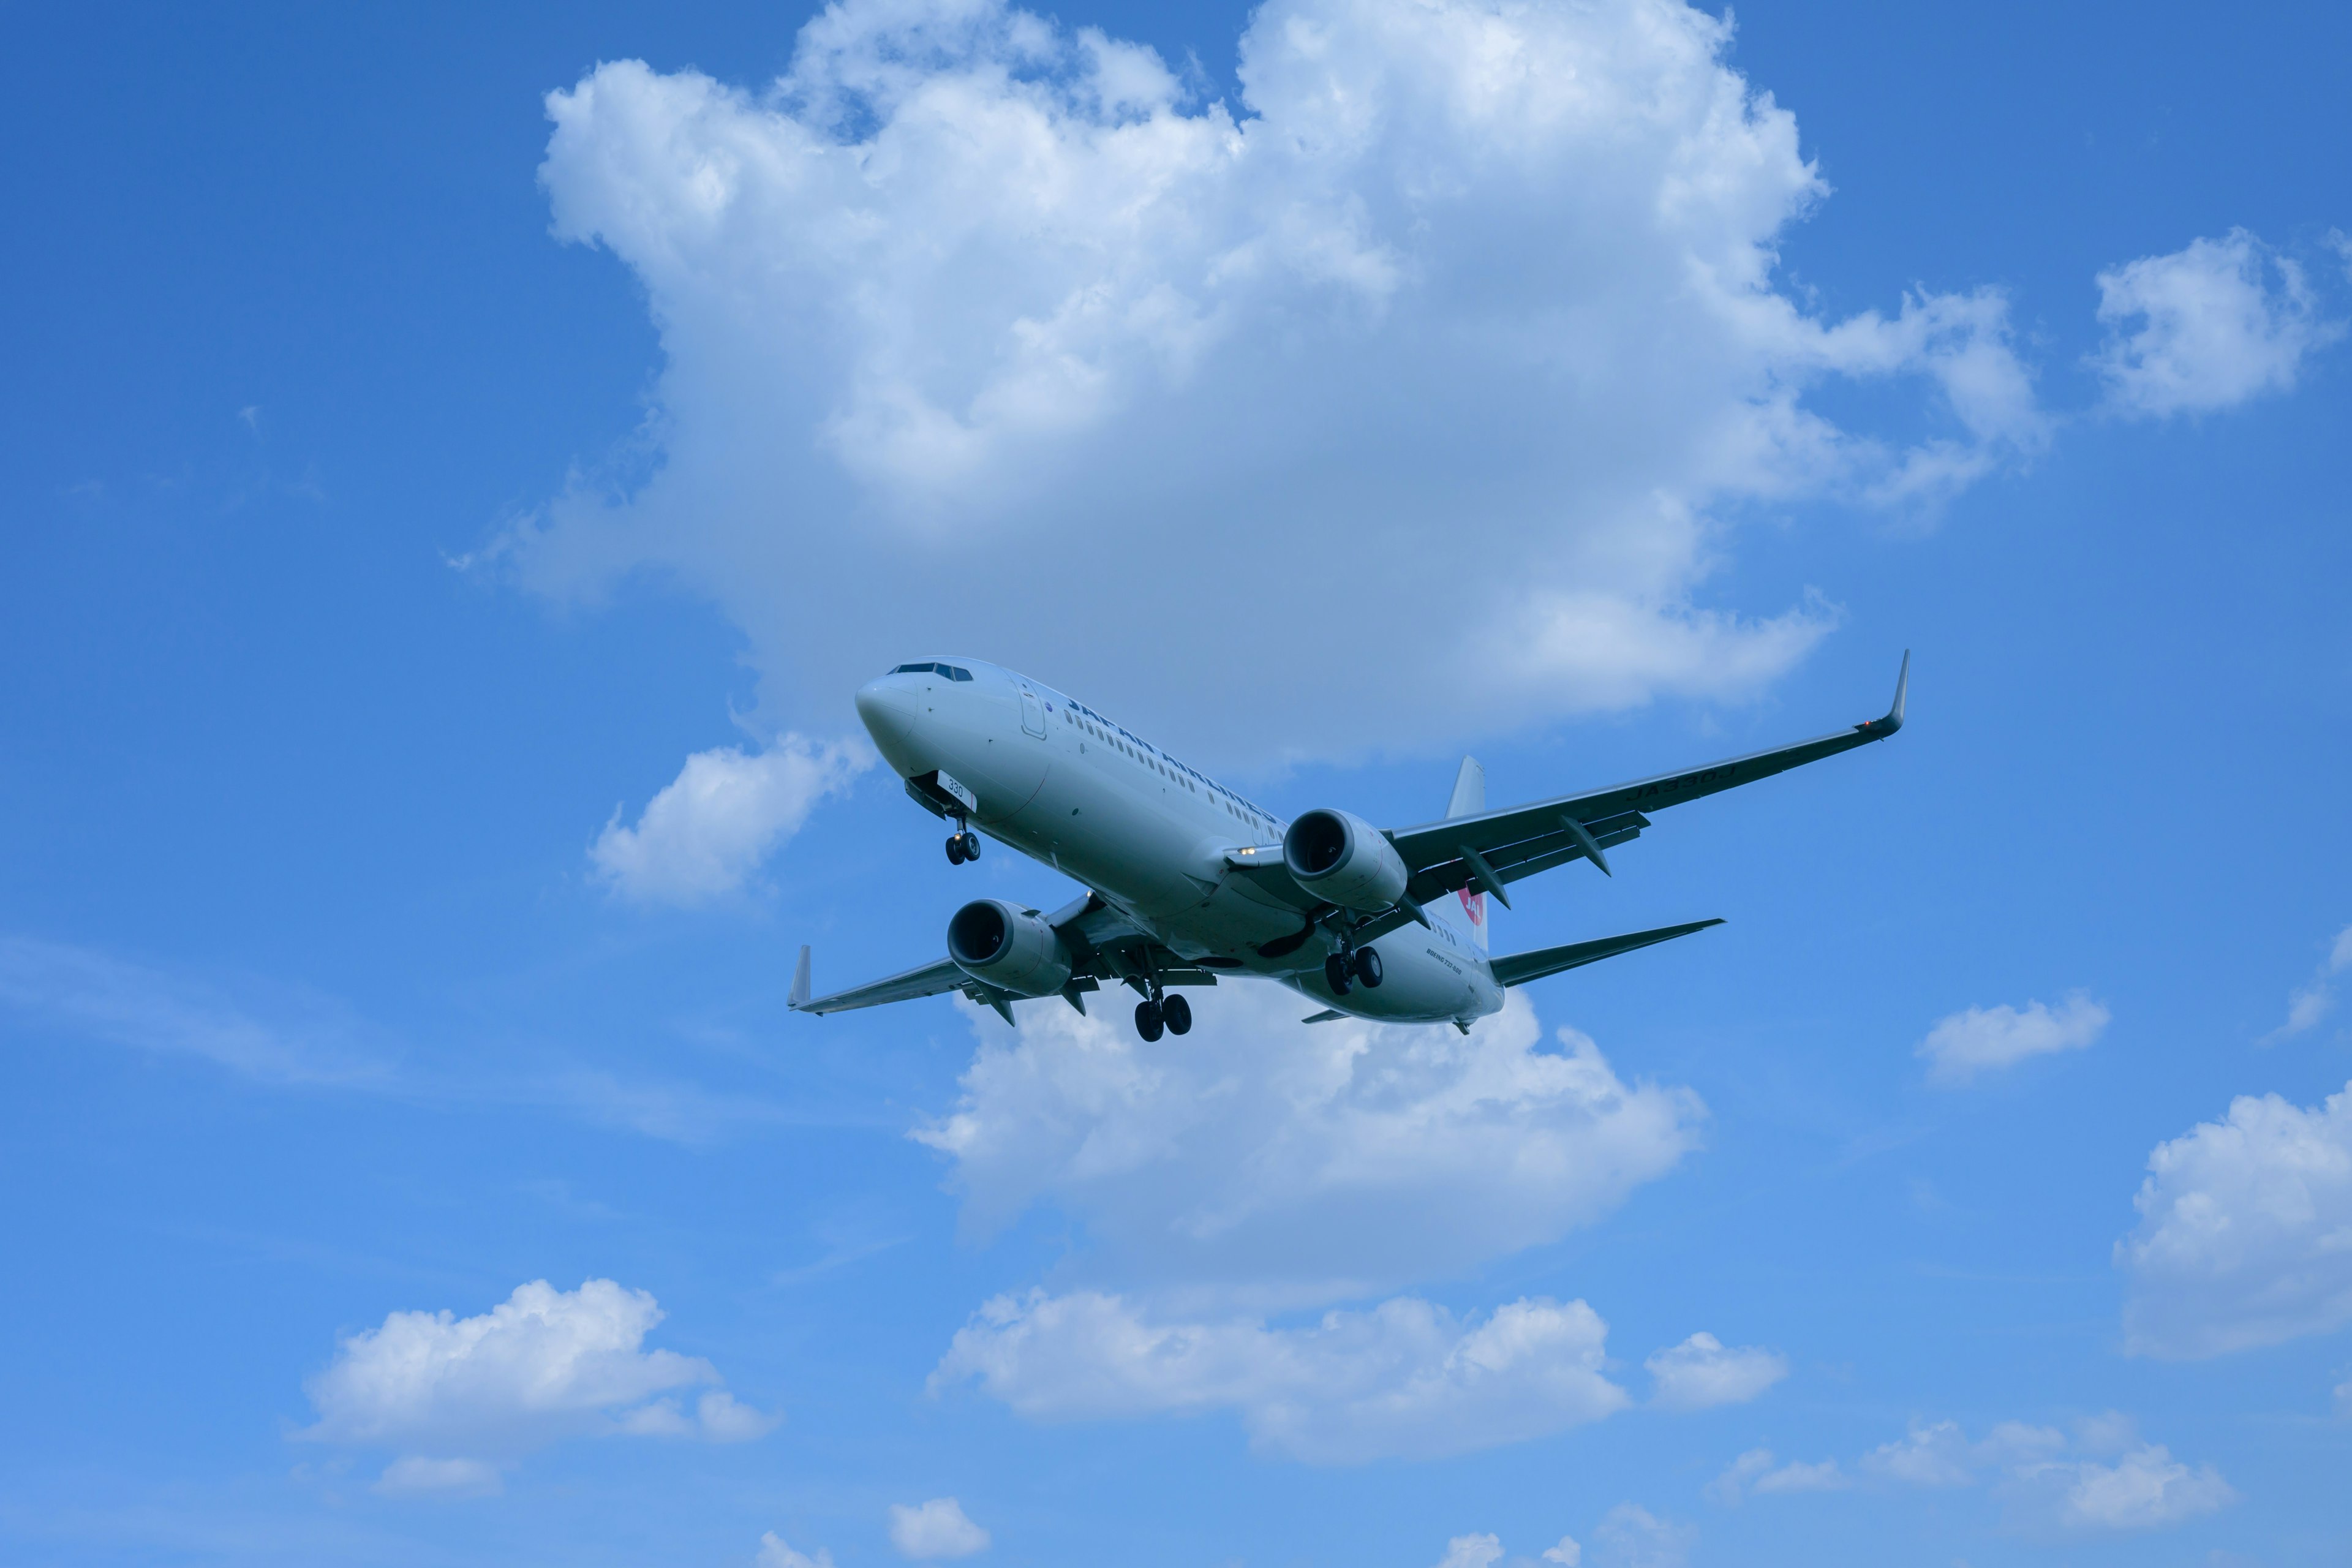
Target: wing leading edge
x,y
1501,846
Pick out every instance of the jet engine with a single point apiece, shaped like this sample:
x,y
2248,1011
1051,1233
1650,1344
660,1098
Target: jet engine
x,y
1344,859
1012,949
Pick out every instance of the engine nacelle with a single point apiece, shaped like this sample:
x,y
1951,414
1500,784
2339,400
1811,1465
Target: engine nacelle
x,y
1009,948
1344,860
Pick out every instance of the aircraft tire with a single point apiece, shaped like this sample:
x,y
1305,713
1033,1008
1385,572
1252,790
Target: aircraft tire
x,y
1178,1014
1335,974
955,848
1148,1023
1368,967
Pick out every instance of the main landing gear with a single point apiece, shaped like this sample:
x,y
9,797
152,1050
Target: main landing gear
x,y
1172,1014
963,845
1343,969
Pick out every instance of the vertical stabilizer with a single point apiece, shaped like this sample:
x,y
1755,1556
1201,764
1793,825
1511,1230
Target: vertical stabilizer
x,y
1469,791
1466,912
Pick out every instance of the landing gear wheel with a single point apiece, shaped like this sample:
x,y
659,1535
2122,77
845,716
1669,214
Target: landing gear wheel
x,y
1368,966
971,845
1335,974
1177,1013
1149,1020
955,850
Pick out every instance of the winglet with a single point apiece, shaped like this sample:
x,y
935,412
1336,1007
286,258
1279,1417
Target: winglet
x,y
1879,729
800,993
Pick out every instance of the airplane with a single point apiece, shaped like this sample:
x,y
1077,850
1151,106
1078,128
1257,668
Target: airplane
x,y
1189,881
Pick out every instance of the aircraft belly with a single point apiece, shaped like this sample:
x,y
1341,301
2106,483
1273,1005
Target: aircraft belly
x,y
1419,984
1091,828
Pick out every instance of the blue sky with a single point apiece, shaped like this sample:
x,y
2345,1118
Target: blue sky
x,y
446,523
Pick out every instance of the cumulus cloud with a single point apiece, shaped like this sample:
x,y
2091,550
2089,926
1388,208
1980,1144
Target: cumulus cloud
x,y
2205,326
1936,1455
934,1530
2103,1477
1702,1371
2245,1231
1472,1552
1568,1553
775,1554
1302,1165
1631,1536
1755,1472
1405,1379
1451,278
2143,1488
707,830
1985,1039
2314,1001
543,1364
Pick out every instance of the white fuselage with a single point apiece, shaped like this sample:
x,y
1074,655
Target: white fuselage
x,y
1058,781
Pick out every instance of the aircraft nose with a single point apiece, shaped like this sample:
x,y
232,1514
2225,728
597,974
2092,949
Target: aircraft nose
x,y
891,714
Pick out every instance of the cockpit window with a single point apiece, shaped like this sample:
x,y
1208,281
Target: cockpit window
x,y
952,671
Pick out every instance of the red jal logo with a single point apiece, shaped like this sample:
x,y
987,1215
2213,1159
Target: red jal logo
x,y
1475,903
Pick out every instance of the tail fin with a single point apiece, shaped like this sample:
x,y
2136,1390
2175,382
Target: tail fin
x,y
1466,911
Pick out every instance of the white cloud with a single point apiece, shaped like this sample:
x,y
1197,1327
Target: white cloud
x,y
2314,1001
1985,1039
1472,1552
1700,1371
707,830
2051,1480
1296,1166
2212,329
2145,1487
1929,1456
2245,1231
541,1365
1630,1536
1460,278
1405,1379
415,1476
775,1554
285,1036
1568,1553
1755,1472
935,1529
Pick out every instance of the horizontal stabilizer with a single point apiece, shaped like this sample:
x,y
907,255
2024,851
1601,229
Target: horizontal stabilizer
x,y
1518,968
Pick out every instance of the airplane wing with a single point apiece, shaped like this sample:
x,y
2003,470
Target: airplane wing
x,y
930,980
1106,946
1496,848
1518,968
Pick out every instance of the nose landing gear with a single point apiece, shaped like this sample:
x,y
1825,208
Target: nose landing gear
x,y
963,845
